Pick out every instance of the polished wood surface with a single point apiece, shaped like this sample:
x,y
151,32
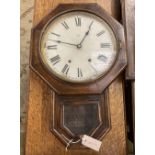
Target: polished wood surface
x,y
39,139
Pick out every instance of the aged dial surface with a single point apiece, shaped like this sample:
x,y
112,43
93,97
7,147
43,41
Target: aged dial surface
x,y
78,47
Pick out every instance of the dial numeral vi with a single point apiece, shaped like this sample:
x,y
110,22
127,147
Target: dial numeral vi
x,y
79,71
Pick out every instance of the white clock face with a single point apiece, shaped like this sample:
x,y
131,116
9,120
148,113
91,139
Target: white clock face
x,y
78,47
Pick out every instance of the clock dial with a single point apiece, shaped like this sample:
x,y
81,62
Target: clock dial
x,y
78,47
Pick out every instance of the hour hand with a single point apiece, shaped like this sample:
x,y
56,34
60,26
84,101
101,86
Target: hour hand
x,y
59,41
86,34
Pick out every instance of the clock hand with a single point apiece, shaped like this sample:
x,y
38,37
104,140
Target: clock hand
x,y
58,41
86,34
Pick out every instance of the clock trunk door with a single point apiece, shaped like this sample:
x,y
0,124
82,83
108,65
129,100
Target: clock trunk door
x,y
79,115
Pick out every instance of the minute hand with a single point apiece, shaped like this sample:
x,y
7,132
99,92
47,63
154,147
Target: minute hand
x,y
58,41
86,34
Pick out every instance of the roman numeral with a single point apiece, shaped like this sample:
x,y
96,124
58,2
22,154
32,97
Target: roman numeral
x,y
55,34
105,45
79,71
65,69
55,59
65,25
100,33
78,21
102,58
52,47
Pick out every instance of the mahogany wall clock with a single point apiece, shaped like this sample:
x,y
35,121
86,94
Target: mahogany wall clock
x,y
78,50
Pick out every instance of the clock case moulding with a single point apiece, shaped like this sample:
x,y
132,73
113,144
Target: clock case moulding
x,y
78,94
63,87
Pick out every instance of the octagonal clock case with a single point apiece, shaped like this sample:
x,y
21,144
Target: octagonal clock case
x,y
78,50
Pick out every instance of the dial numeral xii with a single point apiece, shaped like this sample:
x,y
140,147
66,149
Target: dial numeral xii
x,y
78,21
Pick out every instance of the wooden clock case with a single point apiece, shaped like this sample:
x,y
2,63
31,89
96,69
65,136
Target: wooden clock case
x,y
81,94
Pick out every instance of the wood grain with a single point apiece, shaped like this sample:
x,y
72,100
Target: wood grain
x,y
39,139
128,15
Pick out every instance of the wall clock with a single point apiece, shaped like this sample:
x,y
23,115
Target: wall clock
x,y
78,50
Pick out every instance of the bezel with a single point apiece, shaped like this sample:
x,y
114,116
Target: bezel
x,y
56,75
65,87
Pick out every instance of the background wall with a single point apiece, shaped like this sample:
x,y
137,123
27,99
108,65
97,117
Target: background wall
x,y
26,18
